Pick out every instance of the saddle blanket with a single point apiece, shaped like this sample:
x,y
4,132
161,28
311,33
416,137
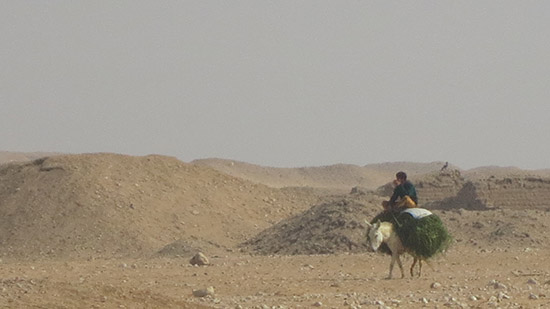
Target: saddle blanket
x,y
418,213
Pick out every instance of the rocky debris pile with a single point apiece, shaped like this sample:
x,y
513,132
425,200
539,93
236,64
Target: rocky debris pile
x,y
332,227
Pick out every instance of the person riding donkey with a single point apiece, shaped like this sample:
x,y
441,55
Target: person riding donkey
x,y
404,194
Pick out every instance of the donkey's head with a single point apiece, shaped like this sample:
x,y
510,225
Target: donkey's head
x,y
374,235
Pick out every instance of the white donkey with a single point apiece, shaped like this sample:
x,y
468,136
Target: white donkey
x,y
384,232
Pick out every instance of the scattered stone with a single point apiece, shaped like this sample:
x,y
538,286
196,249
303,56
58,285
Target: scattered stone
x,y
199,259
435,285
209,291
532,281
533,296
318,304
478,225
497,285
502,295
493,301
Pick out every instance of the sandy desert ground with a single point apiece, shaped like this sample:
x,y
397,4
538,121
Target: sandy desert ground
x,y
116,231
463,278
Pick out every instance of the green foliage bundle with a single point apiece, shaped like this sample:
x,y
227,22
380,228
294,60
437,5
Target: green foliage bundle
x,y
425,237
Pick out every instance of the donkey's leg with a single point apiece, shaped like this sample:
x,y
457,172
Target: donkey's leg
x,y
391,265
412,266
419,267
395,257
400,266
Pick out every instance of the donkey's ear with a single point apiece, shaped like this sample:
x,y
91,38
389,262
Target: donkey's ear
x,y
368,223
377,224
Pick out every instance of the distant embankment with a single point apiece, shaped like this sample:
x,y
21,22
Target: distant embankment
x,y
336,177
451,190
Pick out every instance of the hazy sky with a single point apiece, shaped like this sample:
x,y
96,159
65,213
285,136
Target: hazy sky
x,y
280,83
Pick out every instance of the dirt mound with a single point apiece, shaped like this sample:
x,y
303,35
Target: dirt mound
x,y
332,227
108,205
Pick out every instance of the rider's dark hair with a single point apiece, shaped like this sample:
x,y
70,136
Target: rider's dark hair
x,y
401,175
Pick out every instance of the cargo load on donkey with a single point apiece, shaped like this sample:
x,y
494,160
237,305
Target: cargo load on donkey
x,y
416,231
